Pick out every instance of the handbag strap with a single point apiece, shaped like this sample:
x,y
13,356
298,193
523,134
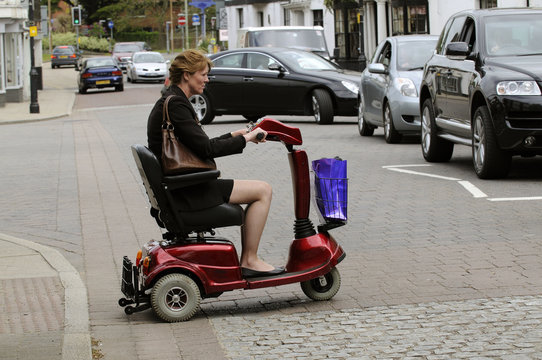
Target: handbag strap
x,y
165,113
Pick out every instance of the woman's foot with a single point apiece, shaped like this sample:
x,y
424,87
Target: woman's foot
x,y
248,273
257,265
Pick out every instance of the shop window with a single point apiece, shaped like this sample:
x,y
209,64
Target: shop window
x,y
417,20
13,57
340,36
411,19
318,17
287,21
486,4
240,17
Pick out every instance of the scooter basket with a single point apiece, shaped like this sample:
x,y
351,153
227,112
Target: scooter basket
x,y
331,198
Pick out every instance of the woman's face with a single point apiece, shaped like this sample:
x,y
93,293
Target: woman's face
x,y
196,81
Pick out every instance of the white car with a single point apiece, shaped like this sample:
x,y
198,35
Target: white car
x,y
147,66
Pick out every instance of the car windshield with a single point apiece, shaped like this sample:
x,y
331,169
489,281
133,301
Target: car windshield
x,y
302,39
412,55
65,50
96,62
126,48
302,60
148,58
516,34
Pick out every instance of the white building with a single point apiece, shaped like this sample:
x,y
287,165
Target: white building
x,y
379,19
15,51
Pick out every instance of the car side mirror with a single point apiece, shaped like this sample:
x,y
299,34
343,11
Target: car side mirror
x,y
277,67
457,50
377,68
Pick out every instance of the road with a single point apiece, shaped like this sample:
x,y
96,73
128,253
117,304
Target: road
x,y
439,263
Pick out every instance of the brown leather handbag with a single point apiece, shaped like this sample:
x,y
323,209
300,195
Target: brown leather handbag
x,y
176,157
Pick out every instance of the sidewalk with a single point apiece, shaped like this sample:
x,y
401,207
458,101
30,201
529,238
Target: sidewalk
x,y
43,301
55,100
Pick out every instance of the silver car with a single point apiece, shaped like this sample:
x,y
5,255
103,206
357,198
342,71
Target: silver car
x,y
389,91
147,66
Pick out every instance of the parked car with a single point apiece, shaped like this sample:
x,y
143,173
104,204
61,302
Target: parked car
x,y
147,66
144,45
481,88
308,38
122,52
100,72
65,55
390,86
254,82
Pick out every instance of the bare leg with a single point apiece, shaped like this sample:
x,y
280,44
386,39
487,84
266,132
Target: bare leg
x,y
257,194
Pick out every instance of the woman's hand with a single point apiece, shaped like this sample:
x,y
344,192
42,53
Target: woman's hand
x,y
253,135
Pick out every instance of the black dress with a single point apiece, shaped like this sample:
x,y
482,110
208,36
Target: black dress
x,y
191,134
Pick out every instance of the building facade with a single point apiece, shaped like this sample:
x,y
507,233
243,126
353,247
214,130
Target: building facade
x,y
15,50
353,28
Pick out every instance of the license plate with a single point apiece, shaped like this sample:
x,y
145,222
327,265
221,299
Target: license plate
x,y
102,82
63,56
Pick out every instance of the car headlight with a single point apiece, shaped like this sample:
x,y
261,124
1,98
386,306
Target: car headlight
x,y
350,86
518,88
405,86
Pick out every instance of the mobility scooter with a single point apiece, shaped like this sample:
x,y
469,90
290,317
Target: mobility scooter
x,y
174,274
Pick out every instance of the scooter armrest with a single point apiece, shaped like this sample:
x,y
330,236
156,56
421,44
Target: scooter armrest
x,y
179,181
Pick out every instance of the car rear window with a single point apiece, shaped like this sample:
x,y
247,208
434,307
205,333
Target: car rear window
x,y
65,51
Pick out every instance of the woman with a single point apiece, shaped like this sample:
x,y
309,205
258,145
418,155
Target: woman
x,y
188,76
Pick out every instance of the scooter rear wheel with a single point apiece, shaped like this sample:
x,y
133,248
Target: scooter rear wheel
x,y
175,297
323,287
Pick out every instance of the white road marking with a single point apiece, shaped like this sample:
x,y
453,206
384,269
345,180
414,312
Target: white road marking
x,y
517,198
422,174
473,190
477,193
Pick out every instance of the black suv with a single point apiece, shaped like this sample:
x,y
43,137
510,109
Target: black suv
x,y
481,88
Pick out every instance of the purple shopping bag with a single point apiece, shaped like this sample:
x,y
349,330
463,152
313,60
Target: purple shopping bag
x,y
331,188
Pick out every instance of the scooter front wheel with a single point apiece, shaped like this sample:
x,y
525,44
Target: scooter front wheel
x,y
323,287
175,297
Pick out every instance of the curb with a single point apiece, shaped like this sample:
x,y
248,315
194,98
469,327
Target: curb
x,y
76,344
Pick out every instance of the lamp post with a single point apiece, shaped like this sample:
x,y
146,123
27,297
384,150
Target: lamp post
x,y
34,105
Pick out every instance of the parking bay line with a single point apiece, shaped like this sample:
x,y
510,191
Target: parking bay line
x,y
475,192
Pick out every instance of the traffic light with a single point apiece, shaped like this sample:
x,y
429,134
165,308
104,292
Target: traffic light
x,y
76,15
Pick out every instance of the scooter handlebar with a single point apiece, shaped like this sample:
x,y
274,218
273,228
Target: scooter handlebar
x,y
277,131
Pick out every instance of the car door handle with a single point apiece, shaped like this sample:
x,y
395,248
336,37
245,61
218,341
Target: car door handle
x,y
248,78
212,77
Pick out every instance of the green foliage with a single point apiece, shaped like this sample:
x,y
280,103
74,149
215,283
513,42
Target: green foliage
x,y
88,43
97,31
149,37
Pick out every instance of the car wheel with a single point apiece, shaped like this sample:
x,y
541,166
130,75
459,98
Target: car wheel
x,y
322,107
363,128
82,90
323,287
390,134
52,66
489,161
119,87
434,149
175,297
202,107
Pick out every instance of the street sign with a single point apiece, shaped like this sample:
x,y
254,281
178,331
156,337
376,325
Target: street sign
x,y
110,24
33,30
195,20
181,20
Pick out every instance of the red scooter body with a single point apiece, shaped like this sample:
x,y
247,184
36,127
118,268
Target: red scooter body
x,y
214,263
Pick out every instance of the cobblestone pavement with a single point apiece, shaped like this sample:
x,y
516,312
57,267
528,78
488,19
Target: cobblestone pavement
x,y
502,328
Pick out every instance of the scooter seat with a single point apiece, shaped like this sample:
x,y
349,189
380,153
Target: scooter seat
x,y
219,216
